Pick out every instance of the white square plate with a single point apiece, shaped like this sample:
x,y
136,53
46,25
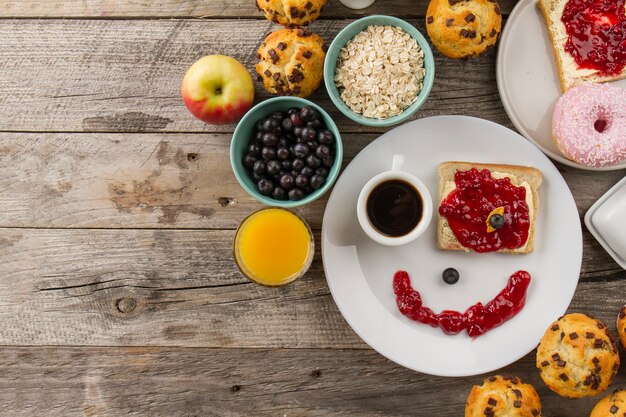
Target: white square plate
x,y
606,220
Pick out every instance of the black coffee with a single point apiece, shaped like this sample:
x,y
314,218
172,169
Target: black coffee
x,y
394,208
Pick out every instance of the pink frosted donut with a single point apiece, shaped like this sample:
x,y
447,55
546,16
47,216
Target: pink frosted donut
x,y
589,124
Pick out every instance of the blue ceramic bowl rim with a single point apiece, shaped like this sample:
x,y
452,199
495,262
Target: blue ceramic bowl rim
x,y
356,27
239,170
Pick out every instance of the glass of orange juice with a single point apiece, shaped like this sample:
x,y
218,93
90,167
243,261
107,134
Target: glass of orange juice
x,y
273,246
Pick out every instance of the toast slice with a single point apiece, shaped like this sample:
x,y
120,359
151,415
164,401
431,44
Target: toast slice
x,y
520,174
569,73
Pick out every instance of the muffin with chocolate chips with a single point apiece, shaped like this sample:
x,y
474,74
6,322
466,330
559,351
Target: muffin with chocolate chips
x,y
503,396
621,326
463,28
611,405
577,356
291,62
291,12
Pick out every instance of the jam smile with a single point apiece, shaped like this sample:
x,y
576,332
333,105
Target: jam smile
x,y
477,319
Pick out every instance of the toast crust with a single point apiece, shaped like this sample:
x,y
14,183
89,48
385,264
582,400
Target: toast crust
x,y
571,79
446,240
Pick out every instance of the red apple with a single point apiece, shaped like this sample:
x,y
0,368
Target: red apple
x,y
218,89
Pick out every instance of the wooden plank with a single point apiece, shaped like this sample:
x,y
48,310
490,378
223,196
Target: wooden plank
x,y
195,9
125,75
155,180
241,382
139,180
182,288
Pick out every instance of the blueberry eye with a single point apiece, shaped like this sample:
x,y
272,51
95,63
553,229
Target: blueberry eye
x,y
496,221
450,276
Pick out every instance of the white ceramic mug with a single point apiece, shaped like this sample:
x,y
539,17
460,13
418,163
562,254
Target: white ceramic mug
x,y
357,4
395,173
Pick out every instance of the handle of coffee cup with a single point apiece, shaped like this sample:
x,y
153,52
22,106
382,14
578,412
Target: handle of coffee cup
x,y
397,162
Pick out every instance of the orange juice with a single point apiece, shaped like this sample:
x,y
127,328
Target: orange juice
x,y
273,246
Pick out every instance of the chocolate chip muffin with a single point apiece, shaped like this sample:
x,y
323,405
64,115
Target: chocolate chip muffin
x,y
291,62
291,12
621,326
503,396
577,356
463,28
611,405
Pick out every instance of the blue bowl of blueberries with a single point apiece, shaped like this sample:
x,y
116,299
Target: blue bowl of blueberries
x,y
286,152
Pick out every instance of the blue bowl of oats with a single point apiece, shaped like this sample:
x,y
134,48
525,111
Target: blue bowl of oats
x,y
379,70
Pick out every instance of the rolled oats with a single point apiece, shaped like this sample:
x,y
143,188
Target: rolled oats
x,y
380,72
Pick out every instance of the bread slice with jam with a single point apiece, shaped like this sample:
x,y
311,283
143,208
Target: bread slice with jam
x,y
570,73
530,178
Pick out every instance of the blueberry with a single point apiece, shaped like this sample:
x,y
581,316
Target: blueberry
x,y
496,221
296,194
254,150
328,161
308,113
293,110
259,124
283,142
278,131
278,115
283,153
273,167
322,171
302,181
309,133
259,167
287,125
257,177
268,153
312,145
297,164
301,150
286,165
258,137
315,123
270,139
298,131
279,193
313,161
450,276
317,181
266,187
307,171
248,161
322,151
296,120
270,124
287,181
325,137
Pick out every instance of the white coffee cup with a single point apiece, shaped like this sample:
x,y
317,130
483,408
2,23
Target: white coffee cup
x,y
395,173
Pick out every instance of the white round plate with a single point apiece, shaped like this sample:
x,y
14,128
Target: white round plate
x,y
360,272
528,80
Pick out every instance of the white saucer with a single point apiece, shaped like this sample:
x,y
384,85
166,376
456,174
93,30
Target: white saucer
x,y
528,80
360,271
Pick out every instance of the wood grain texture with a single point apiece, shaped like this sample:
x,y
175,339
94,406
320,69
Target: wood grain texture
x,y
195,8
182,288
241,382
156,181
125,75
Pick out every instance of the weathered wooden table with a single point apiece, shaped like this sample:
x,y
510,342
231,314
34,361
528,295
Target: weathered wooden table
x,y
118,292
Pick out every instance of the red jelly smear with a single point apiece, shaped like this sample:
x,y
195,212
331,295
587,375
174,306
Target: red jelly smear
x,y
596,32
476,195
477,320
